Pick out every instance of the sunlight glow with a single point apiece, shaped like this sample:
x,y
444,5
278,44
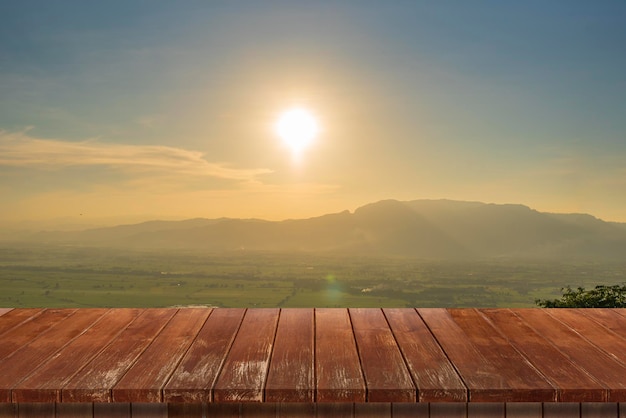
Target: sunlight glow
x,y
297,128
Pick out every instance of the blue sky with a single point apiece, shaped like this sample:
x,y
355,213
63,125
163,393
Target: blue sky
x,y
142,109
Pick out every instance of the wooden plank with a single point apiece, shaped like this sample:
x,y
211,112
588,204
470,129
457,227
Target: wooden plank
x,y
409,410
448,410
148,410
524,410
146,378
290,377
16,316
74,410
111,410
599,410
386,376
608,341
485,410
573,383
296,409
485,381
35,410
588,357
96,379
258,410
26,360
561,410
372,410
221,410
434,375
44,385
8,410
245,369
527,384
28,330
195,376
337,369
335,409
607,318
186,410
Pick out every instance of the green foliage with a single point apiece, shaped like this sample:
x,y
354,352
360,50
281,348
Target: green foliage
x,y
599,297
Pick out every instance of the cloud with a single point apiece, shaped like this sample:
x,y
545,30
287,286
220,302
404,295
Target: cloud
x,y
18,149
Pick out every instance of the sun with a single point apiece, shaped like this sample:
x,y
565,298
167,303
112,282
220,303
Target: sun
x,y
298,128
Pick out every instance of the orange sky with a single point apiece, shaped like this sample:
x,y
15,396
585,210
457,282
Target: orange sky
x,y
116,112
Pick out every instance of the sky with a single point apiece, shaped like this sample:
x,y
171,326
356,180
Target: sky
x,y
117,111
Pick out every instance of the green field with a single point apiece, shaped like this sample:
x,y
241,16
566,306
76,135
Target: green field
x,y
64,276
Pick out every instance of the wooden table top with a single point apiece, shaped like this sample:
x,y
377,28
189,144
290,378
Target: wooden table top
x,y
312,355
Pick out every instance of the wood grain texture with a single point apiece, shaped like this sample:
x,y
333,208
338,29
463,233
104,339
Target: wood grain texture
x,y
186,410
112,410
17,316
337,367
325,360
36,410
524,410
433,373
296,410
8,410
36,353
486,410
335,410
221,410
97,378
194,378
448,410
16,337
573,383
599,410
144,381
609,319
410,410
602,367
525,382
258,410
290,377
606,340
386,376
245,368
45,383
485,381
561,410
148,410
74,410
372,410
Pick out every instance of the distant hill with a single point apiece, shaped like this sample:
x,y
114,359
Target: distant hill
x,y
428,229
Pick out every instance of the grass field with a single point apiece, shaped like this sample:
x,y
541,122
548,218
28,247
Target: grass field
x,y
57,276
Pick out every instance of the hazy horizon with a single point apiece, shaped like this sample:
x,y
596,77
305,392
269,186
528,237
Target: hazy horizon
x,y
83,223
126,111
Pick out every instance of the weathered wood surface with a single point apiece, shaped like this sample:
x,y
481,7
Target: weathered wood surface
x,y
337,367
386,376
328,357
245,368
290,379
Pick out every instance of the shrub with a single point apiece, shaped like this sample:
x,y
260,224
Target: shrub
x,y
599,297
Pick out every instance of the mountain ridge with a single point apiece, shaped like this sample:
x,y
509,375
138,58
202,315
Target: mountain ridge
x,y
429,229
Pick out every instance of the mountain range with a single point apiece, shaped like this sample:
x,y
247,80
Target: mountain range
x,y
426,229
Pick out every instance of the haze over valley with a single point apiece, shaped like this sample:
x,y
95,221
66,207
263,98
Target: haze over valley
x,y
422,229
269,153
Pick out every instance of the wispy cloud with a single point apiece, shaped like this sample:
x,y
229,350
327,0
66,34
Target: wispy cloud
x,y
18,149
